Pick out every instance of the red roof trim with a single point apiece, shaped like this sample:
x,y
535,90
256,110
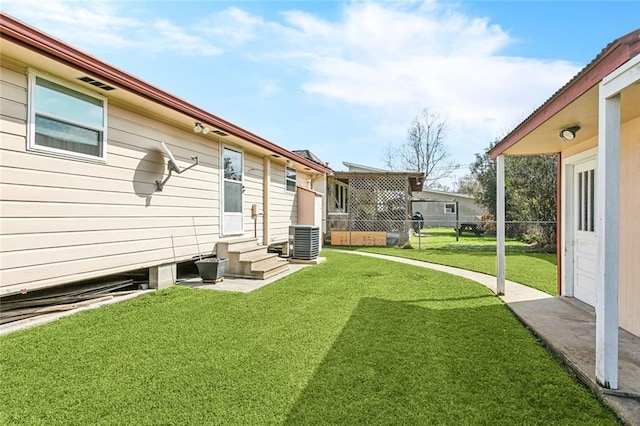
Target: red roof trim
x,y
31,38
612,57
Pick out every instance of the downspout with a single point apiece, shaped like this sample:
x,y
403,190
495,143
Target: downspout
x,y
323,191
266,184
325,209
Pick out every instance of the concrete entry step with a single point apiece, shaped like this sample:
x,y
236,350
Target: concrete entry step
x,y
247,259
259,260
223,247
263,273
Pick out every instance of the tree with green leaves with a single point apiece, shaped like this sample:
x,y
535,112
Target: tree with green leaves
x,y
530,190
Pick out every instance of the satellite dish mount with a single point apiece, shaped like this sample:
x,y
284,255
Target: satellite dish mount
x,y
172,165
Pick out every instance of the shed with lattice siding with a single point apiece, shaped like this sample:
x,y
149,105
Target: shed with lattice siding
x,y
363,202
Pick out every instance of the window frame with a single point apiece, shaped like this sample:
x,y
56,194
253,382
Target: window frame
x,y
31,120
287,179
237,179
453,210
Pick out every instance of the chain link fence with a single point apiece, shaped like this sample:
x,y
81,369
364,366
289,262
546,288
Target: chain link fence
x,y
534,236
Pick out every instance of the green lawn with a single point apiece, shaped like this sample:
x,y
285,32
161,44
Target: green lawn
x,y
352,341
537,270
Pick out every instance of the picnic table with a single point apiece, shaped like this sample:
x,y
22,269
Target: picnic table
x,y
471,227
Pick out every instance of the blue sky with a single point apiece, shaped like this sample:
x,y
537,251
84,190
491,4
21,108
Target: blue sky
x,y
345,79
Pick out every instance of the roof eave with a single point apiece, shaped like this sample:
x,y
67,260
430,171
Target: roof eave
x,y
32,39
612,57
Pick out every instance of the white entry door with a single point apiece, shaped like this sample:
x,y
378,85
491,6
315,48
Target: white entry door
x,y
232,219
585,247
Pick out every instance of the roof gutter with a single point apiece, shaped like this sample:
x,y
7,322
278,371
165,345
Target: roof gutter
x,y
612,57
32,39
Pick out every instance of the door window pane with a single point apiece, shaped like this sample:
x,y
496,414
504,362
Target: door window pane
x,y
232,197
232,165
592,197
586,201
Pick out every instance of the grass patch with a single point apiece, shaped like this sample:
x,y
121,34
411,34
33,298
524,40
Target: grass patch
x,y
537,270
353,341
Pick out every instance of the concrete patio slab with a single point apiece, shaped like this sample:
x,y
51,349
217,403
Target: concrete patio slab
x,y
242,285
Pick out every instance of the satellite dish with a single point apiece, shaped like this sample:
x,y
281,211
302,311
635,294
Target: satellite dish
x,y
172,165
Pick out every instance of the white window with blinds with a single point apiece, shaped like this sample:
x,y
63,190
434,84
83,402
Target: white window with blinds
x,y
290,178
66,120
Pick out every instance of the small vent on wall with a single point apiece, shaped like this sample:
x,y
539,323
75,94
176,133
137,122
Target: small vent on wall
x,y
220,133
96,83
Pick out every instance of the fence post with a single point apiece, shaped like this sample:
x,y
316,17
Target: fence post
x,y
457,220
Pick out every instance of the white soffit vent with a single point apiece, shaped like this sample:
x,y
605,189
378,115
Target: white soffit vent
x,y
220,133
96,83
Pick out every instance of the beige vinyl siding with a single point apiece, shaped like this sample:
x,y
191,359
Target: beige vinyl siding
x,y
253,176
629,291
65,220
282,205
283,210
13,106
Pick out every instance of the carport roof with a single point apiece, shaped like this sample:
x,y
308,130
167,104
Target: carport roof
x,y
532,136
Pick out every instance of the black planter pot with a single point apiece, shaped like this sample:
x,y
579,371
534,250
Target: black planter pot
x,y
211,269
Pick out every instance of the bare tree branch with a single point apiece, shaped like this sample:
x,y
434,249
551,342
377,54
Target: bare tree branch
x,y
424,150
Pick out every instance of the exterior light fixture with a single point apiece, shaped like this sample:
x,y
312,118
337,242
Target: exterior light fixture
x,y
199,128
569,133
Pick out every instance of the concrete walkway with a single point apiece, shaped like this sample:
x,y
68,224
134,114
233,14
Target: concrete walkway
x,y
567,327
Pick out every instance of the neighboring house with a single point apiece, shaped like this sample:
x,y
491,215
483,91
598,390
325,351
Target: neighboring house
x,y
359,168
368,206
81,152
439,207
593,122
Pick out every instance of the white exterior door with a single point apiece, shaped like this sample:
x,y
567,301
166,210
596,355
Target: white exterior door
x,y
585,245
232,219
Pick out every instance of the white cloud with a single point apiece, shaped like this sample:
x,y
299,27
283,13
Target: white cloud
x,y
417,55
104,24
386,61
168,36
231,26
269,88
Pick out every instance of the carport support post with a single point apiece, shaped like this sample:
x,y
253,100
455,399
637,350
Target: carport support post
x,y
500,225
608,231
